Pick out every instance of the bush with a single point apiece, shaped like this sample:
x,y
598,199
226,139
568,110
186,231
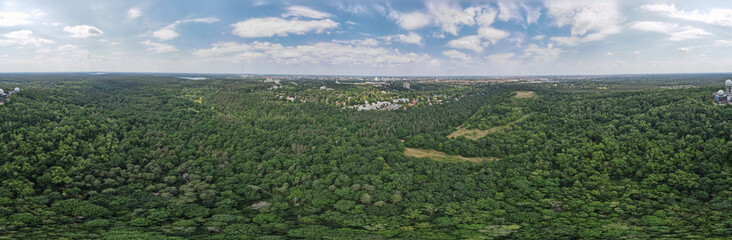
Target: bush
x,y
25,218
97,224
140,222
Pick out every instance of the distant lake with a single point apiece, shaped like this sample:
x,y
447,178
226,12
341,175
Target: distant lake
x,y
193,78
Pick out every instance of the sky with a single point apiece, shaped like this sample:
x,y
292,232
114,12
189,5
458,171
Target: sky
x,y
383,38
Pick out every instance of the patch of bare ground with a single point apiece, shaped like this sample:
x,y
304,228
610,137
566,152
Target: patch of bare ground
x,y
437,155
476,134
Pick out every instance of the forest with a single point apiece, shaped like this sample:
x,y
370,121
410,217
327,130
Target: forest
x,y
135,156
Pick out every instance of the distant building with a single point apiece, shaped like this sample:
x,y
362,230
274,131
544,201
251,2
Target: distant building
x,y
406,85
724,97
5,95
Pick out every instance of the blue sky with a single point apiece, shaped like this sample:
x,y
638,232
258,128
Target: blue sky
x,y
433,37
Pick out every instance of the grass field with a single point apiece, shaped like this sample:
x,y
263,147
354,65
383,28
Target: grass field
x,y
476,134
437,155
524,94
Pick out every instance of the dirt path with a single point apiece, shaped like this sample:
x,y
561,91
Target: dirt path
x,y
437,155
476,134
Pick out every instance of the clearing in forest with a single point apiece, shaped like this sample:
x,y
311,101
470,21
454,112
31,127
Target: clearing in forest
x,y
475,134
524,94
437,155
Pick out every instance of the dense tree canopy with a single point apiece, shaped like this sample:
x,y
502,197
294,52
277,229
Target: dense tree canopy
x,y
138,157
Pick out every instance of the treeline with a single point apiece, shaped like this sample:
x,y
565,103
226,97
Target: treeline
x,y
135,158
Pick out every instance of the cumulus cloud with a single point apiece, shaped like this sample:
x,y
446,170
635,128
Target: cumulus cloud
x,y
169,32
323,52
301,11
166,33
492,34
486,16
157,47
455,54
267,27
83,31
22,37
11,19
541,53
589,20
674,31
411,38
450,17
717,16
134,13
684,49
471,42
411,21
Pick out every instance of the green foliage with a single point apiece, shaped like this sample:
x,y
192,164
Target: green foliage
x,y
121,157
97,224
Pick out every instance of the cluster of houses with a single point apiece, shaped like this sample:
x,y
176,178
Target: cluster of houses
x,y
4,95
382,105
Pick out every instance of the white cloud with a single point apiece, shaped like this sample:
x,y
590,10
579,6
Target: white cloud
x,y
636,53
166,33
589,20
675,32
22,37
492,34
67,47
532,14
169,32
723,43
411,38
201,20
716,16
684,49
450,17
267,27
323,52
134,13
355,9
11,19
539,53
486,16
83,31
471,42
455,54
301,11
539,37
609,53
157,47
411,21
508,10
503,60
365,42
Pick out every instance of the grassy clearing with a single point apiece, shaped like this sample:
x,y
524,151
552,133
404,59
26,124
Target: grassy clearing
x,y
476,134
437,155
524,94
